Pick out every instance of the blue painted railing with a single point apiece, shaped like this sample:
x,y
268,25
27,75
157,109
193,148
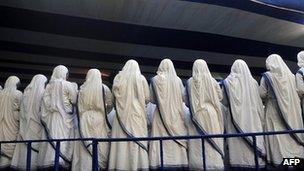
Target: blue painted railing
x,y
95,142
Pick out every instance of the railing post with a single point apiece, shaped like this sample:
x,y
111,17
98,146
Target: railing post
x,y
29,156
204,154
95,155
57,153
256,159
161,155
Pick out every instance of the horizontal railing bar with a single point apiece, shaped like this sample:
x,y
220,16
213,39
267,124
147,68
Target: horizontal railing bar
x,y
164,138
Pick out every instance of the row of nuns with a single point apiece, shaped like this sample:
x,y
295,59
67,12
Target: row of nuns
x,y
164,108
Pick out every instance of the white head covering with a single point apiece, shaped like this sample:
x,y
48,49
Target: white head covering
x,y
284,86
11,83
300,57
33,92
55,89
129,91
276,65
91,90
128,77
204,90
59,73
168,89
31,101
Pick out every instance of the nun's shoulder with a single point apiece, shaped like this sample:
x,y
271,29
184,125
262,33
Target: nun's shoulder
x,y
189,80
179,79
18,94
105,86
70,85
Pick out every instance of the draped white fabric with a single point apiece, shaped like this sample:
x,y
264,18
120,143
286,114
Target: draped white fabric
x,y
300,78
58,118
167,93
29,121
10,99
131,92
247,115
283,110
204,94
92,121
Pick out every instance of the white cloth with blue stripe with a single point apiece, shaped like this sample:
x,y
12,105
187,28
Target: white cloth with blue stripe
x,y
246,115
131,92
204,95
283,110
92,102
169,118
58,118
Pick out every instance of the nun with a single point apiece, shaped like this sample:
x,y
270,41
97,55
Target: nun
x,y
94,103
167,92
10,99
131,92
245,114
300,79
58,119
29,122
283,111
203,99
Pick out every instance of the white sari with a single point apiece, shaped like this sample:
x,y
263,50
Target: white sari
x,y
204,95
131,92
58,119
245,114
10,99
283,111
300,79
94,103
30,125
169,118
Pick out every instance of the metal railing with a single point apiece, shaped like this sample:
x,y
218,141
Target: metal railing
x,y
95,142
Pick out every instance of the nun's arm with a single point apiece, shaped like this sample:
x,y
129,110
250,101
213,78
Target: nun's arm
x,y
218,90
72,92
17,103
263,89
108,99
224,100
146,90
300,84
186,100
184,94
152,95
